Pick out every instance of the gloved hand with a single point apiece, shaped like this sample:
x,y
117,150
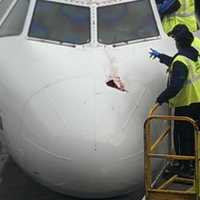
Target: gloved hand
x,y
165,5
154,54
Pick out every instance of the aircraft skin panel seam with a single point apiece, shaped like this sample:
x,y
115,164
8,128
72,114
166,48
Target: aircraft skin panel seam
x,y
138,155
46,151
134,109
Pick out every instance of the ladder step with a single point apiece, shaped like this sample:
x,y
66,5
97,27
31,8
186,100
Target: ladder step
x,y
171,157
168,182
171,195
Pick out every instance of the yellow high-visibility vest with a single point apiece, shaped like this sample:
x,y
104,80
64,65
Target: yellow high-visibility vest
x,y
184,15
190,93
196,44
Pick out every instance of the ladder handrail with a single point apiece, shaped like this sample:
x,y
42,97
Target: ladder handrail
x,y
148,144
155,107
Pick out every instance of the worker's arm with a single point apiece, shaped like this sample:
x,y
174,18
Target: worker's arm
x,y
167,7
177,80
164,59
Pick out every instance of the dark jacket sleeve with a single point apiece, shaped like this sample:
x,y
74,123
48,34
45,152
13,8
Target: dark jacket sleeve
x,y
176,83
168,7
165,59
159,1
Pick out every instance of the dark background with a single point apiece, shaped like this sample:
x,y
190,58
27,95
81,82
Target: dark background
x,y
197,5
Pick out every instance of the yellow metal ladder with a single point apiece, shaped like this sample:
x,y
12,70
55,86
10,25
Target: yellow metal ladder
x,y
173,187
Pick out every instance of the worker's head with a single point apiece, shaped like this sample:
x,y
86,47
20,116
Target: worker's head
x,y
182,36
178,30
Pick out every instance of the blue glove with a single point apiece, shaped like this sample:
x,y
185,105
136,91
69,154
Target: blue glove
x,y
162,8
154,54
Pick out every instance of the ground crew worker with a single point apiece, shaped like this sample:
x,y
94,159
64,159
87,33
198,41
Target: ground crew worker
x,y
183,94
183,29
175,12
167,7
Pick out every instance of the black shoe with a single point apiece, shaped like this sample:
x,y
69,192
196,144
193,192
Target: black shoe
x,y
186,172
173,168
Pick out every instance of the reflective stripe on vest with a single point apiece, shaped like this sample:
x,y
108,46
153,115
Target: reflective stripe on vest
x,y
190,93
184,15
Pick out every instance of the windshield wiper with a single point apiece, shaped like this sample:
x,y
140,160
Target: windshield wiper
x,y
67,44
120,43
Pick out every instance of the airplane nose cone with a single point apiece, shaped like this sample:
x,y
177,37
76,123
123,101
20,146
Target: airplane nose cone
x,y
76,141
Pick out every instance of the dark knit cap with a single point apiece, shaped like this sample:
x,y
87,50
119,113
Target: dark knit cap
x,y
178,30
182,35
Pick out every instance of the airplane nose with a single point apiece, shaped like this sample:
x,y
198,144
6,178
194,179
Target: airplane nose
x,y
63,112
73,140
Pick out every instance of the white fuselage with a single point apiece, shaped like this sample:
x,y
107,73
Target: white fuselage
x,y
64,125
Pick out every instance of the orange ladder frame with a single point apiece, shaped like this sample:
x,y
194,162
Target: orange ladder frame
x,y
162,192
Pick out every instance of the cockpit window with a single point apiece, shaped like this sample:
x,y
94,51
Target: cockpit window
x,y
126,22
60,22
